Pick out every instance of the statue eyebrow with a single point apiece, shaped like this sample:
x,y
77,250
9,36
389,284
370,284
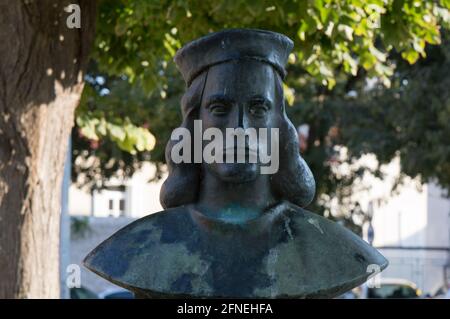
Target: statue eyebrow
x,y
219,98
261,99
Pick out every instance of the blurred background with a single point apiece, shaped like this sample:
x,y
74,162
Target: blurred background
x,y
367,88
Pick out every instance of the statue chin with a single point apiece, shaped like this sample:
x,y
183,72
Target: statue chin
x,y
234,172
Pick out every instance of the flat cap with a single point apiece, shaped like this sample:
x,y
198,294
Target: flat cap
x,y
233,44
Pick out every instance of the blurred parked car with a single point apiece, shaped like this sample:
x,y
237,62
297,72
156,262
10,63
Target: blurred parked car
x,y
82,293
116,293
348,295
393,288
442,293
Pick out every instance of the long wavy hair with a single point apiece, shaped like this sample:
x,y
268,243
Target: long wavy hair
x,y
293,182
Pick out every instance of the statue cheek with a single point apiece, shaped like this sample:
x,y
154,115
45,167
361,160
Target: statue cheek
x,y
209,120
276,121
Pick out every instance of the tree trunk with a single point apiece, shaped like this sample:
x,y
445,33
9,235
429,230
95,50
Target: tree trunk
x,y
42,64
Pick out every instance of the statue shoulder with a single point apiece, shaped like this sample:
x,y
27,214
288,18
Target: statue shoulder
x,y
124,258
327,235
322,256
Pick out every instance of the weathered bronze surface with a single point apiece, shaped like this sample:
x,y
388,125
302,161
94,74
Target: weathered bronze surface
x,y
227,230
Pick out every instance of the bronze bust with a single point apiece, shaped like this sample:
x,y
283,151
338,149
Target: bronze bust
x,y
227,229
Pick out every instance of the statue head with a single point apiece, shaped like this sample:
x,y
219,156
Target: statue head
x,y
234,81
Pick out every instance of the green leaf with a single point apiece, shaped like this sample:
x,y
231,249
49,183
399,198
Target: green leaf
x,y
288,94
116,132
411,56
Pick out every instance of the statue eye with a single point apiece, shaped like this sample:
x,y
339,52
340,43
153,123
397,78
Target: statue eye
x,y
258,110
218,109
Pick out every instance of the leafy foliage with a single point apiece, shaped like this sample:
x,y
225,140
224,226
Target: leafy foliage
x,y
109,101
410,120
330,36
79,227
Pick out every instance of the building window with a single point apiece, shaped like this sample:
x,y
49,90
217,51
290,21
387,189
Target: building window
x,y
122,205
111,204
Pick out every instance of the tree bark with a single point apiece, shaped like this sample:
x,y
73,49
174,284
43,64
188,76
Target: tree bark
x,y
42,64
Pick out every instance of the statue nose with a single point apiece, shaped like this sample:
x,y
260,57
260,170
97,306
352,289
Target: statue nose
x,y
242,117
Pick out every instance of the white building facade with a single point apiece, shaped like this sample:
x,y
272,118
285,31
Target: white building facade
x,y
134,198
411,228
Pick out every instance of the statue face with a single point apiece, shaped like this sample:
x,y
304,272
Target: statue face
x,y
239,94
